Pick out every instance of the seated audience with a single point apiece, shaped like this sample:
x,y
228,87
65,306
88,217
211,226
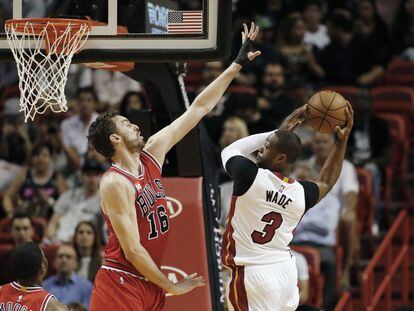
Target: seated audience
x,y
88,249
35,190
78,204
22,228
316,33
67,286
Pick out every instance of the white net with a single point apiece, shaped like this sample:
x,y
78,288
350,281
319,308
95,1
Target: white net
x,y
43,50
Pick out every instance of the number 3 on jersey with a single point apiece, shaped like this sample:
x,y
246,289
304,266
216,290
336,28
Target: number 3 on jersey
x,y
163,221
273,220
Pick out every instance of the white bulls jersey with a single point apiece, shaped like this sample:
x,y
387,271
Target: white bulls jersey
x,y
262,219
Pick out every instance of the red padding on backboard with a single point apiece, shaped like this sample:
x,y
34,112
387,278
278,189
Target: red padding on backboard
x,y
186,251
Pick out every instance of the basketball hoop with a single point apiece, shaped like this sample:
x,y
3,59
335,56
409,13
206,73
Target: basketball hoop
x,y
43,49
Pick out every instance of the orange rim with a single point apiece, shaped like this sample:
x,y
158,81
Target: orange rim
x,y
39,24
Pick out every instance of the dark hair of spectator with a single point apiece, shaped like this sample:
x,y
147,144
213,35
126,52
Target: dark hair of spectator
x,y
96,257
37,148
341,21
309,3
123,105
289,143
100,131
288,25
26,261
88,89
21,215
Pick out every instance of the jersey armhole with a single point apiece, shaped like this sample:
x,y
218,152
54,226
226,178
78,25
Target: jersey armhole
x,y
152,159
46,301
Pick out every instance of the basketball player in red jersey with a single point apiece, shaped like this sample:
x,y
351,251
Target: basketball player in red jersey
x,y
25,294
133,201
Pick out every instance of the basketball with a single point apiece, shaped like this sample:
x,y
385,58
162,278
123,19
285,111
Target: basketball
x,y
326,110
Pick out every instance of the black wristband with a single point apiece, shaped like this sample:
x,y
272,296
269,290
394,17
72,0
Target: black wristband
x,y
242,58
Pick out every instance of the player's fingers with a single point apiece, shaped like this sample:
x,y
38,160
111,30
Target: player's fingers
x,y
243,37
251,29
191,276
253,55
255,32
246,31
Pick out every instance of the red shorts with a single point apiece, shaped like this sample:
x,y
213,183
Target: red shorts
x,y
113,290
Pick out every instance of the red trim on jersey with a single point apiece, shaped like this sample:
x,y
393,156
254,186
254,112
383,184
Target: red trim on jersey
x,y
238,295
118,266
282,177
45,302
228,249
153,159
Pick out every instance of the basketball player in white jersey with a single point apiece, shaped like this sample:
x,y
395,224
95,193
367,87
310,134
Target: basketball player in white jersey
x,y
266,208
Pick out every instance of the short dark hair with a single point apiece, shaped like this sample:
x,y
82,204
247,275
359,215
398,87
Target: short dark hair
x,y
100,131
21,215
289,143
38,147
88,89
26,260
341,21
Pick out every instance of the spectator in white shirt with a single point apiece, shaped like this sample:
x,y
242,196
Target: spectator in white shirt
x,y
79,204
303,276
75,128
316,33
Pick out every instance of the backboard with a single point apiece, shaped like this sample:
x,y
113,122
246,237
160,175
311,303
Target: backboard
x,y
132,30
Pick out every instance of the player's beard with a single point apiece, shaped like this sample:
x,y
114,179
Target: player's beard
x,y
134,145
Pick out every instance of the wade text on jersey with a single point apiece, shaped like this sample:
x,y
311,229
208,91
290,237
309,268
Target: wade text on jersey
x,y
278,198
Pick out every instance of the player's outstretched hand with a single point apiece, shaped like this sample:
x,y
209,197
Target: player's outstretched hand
x,y
246,54
292,121
343,133
188,284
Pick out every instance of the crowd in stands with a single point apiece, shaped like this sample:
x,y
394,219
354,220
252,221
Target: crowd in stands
x,y
49,177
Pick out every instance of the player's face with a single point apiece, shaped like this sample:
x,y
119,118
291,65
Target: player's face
x,y
268,157
323,144
130,134
22,230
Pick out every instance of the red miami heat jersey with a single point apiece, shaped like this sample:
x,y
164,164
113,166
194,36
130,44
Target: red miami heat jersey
x,y
13,296
151,212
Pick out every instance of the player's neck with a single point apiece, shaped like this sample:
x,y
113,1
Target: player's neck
x,y
129,162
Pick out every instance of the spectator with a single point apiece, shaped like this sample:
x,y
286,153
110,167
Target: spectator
x,y
75,129
348,59
22,228
234,129
316,33
88,249
303,276
369,145
110,85
346,190
301,62
35,189
272,100
371,29
131,101
403,28
246,107
14,145
67,286
78,204
318,229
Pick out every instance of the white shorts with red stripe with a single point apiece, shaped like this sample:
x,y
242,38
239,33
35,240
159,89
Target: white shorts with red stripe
x,y
264,287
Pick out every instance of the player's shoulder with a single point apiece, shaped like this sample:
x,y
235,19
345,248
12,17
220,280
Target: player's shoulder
x,y
113,179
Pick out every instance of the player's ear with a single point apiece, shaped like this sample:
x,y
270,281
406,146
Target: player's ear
x,y
281,158
115,138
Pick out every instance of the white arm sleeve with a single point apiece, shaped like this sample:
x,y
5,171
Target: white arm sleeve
x,y
244,146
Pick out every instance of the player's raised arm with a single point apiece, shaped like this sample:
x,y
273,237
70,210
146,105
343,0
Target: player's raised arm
x,y
160,143
119,198
332,168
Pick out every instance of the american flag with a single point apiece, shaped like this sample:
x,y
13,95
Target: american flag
x,y
185,22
